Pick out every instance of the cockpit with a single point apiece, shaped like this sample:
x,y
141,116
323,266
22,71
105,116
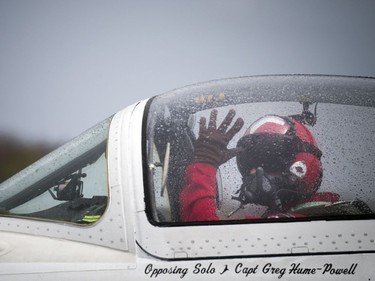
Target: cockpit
x,y
68,185
338,112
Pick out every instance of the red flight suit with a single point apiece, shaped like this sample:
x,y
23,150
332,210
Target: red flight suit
x,y
198,197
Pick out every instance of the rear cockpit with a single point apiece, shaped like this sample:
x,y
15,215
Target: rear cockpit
x,y
69,185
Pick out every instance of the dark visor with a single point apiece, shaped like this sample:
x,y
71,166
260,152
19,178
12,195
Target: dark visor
x,y
272,152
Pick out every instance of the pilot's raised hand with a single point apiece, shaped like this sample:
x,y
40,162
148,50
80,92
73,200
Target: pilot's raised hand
x,y
212,142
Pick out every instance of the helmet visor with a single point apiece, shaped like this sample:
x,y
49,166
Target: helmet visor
x,y
272,124
273,152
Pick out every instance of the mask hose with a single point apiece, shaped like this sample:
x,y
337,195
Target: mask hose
x,y
258,189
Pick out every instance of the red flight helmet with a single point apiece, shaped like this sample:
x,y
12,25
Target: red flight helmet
x,y
282,146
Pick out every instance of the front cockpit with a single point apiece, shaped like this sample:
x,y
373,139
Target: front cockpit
x,y
338,111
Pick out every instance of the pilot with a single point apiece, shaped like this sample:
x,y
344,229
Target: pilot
x,y
278,159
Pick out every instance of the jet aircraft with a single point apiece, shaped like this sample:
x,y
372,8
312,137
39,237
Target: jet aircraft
x,y
107,205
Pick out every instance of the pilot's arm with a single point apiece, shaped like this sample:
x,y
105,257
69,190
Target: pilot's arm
x,y
198,197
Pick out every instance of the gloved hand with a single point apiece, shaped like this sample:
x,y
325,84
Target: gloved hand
x,y
211,145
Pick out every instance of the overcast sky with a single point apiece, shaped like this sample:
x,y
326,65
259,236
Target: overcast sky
x,y
66,65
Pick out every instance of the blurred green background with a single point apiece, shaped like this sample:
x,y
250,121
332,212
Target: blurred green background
x,y
15,154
